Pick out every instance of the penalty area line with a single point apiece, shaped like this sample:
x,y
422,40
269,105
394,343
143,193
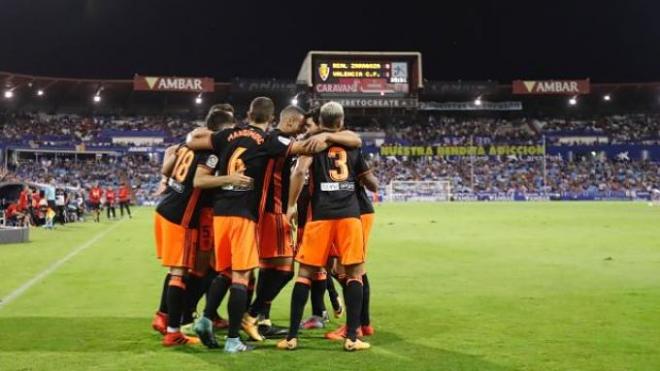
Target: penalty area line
x,y
17,293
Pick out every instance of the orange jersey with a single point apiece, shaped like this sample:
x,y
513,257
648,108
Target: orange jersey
x,y
95,195
124,194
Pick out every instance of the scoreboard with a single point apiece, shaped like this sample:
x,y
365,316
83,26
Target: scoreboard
x,y
363,79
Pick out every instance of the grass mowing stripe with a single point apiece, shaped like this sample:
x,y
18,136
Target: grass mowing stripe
x,y
53,267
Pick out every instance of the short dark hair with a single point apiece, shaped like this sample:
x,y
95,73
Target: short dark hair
x,y
262,110
291,110
314,114
216,119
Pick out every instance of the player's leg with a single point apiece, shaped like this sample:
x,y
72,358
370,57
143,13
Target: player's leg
x,y
121,209
252,285
319,312
238,297
221,283
353,295
128,210
159,322
335,298
365,318
176,291
313,255
276,253
299,298
173,245
350,241
274,274
114,214
107,210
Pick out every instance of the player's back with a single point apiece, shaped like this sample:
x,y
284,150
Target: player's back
x,y
245,150
180,203
334,173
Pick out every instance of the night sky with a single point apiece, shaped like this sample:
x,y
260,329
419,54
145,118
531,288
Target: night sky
x,y
468,40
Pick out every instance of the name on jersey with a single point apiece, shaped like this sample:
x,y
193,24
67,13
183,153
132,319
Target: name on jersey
x,y
337,186
246,133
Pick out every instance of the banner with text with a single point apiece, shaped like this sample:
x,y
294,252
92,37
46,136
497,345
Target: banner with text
x,y
551,87
471,106
463,151
181,84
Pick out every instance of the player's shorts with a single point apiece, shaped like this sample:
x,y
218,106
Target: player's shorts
x,y
235,243
109,204
274,236
95,206
204,256
367,224
320,235
175,244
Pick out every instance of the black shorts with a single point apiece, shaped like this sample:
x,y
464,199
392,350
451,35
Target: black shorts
x,y
95,206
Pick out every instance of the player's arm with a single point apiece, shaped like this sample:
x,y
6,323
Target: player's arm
x,y
369,181
322,141
205,179
296,185
168,161
200,139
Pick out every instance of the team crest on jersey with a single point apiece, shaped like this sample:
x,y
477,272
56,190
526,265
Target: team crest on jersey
x,y
324,71
212,161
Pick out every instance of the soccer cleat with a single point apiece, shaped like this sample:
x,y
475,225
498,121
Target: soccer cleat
x,y
367,330
270,331
173,339
203,327
352,346
188,329
235,345
285,344
339,311
159,322
220,324
340,333
249,325
313,322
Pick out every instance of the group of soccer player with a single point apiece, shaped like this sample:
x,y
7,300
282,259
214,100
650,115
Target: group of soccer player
x,y
111,196
238,197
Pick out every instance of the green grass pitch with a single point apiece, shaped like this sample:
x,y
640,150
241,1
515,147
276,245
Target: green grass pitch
x,y
460,286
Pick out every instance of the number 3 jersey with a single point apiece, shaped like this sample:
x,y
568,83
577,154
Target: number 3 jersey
x,y
181,202
246,150
334,176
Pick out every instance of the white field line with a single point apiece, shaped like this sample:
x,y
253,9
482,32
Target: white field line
x,y
53,267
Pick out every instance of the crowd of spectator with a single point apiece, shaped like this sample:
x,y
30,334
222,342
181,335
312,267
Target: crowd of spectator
x,y
424,129
480,174
517,175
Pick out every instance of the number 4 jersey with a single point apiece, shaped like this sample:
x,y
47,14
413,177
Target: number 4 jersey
x,y
334,176
182,202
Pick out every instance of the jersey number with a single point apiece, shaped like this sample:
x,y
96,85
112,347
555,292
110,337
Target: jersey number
x,y
236,165
184,159
340,171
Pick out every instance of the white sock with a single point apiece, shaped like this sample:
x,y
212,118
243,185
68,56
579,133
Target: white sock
x,y
172,329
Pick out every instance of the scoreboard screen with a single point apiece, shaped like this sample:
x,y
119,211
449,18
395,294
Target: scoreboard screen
x,y
363,77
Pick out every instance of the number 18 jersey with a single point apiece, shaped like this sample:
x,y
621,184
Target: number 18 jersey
x,y
334,175
181,202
